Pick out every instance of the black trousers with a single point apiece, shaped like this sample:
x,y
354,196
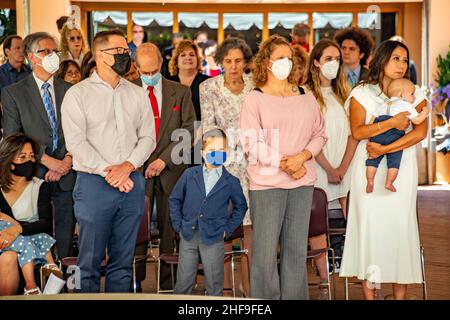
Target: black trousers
x,y
156,193
64,220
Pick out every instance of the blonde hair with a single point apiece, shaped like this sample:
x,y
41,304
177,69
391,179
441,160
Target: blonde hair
x,y
64,45
339,84
182,46
263,56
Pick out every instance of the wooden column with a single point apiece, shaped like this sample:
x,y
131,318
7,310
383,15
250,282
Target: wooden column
x,y
220,31
175,26
129,25
265,31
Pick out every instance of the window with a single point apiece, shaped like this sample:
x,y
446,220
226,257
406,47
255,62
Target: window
x,y
157,27
190,23
247,26
381,26
282,23
326,24
108,20
7,23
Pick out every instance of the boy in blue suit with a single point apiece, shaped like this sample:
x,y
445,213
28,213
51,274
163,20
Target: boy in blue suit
x,y
199,209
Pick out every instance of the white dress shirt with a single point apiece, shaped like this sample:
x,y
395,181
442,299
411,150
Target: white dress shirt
x,y
157,91
51,88
106,126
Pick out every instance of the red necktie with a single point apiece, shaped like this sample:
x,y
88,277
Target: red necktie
x,y
154,104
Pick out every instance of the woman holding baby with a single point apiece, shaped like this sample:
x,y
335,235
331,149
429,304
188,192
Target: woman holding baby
x,y
382,243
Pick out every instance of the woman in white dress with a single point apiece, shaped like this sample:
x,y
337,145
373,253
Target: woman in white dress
x,y
326,79
382,243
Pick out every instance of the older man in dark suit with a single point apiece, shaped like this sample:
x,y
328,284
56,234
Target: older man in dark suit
x,y
173,110
33,106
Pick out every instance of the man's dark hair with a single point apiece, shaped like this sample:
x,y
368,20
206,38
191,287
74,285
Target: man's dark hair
x,y
362,38
61,21
102,37
7,43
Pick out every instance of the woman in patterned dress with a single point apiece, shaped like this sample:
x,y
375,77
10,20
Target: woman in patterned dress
x,y
221,98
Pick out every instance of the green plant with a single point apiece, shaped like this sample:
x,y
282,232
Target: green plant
x,y
442,90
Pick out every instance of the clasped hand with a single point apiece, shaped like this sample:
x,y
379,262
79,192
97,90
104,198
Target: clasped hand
x,y
294,165
119,176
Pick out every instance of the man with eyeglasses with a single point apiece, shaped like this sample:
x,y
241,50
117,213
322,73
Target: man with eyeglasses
x,y
108,122
139,37
33,106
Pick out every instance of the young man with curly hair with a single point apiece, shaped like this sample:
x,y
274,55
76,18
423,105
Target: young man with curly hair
x,y
356,46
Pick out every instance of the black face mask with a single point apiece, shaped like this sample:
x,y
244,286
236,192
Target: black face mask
x,y
122,63
26,169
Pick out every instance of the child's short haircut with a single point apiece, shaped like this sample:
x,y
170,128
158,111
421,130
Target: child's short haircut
x,y
213,133
398,85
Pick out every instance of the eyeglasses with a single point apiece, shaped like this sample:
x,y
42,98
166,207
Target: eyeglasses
x,y
118,50
48,51
75,38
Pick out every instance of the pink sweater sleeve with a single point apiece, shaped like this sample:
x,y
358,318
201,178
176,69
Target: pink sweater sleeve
x,y
318,137
253,136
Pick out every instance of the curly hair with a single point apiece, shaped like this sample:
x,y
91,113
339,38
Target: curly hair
x,y
10,147
183,46
301,58
362,38
262,59
65,35
339,84
230,44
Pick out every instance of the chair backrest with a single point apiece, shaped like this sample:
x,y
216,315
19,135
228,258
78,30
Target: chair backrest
x,y
318,223
143,234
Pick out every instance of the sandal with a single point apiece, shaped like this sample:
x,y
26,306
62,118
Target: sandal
x,y
50,268
34,291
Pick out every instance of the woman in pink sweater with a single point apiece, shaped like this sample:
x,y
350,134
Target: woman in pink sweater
x,y
282,131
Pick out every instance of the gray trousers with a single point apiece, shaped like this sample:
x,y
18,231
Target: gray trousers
x,y
280,216
212,259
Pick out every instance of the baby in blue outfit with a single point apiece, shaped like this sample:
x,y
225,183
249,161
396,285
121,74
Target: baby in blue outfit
x,y
401,94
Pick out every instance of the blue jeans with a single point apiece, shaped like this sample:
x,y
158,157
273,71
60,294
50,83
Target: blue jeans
x,y
385,138
109,219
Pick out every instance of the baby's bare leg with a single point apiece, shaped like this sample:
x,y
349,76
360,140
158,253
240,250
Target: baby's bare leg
x,y
28,275
390,178
370,176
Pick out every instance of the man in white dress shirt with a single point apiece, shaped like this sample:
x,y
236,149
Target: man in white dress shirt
x,y
110,134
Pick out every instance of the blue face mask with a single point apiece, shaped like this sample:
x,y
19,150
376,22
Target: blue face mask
x,y
216,158
151,81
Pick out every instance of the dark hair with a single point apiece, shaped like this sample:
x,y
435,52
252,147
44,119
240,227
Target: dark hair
x,y
87,65
233,43
199,33
64,66
102,37
362,38
9,148
301,30
213,133
8,42
381,58
61,21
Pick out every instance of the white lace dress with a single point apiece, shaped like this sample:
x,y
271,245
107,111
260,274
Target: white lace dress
x,y
382,243
337,128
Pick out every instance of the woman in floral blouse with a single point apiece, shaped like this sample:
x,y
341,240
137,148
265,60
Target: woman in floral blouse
x,y
221,98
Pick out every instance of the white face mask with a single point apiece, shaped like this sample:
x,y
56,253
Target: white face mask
x,y
50,62
330,69
281,68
